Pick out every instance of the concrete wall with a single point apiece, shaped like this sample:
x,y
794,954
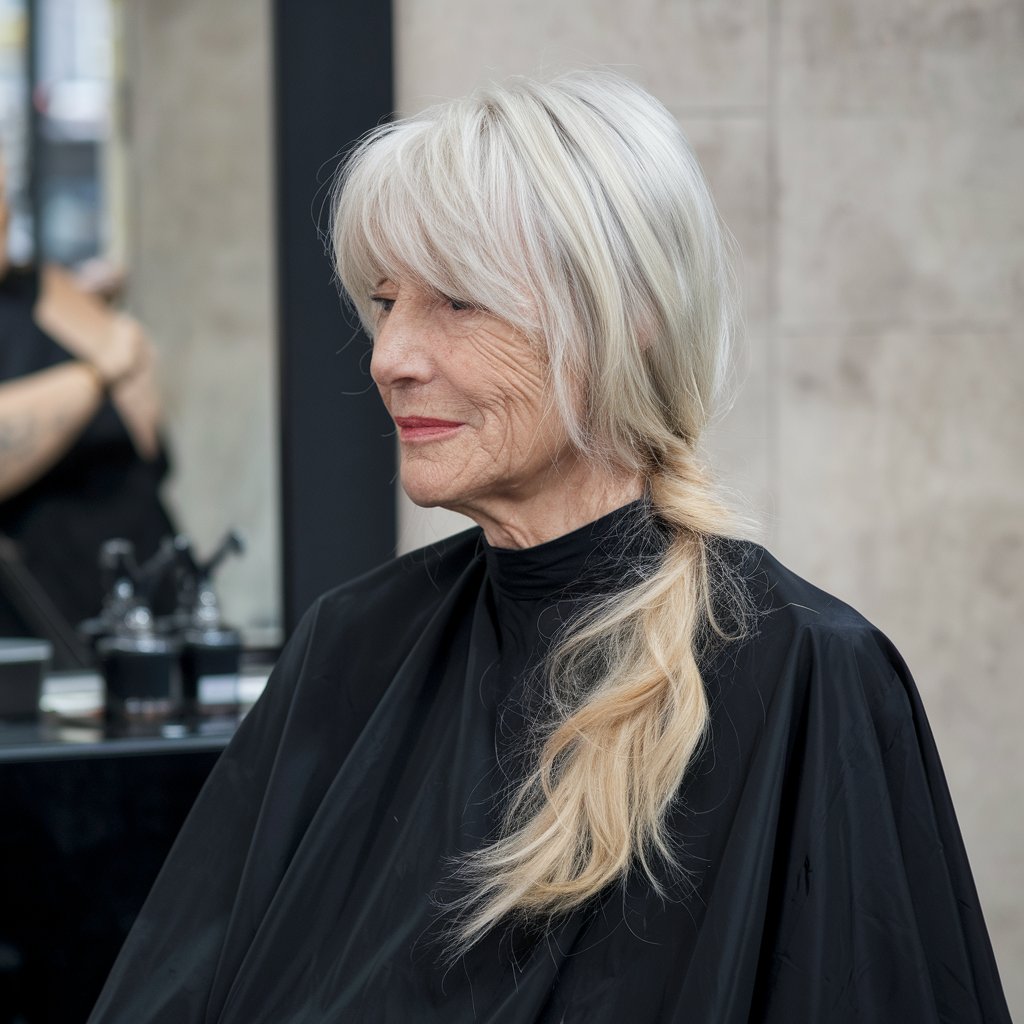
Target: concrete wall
x,y
869,159
198,124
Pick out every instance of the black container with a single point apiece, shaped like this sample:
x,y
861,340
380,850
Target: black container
x,y
209,670
23,664
142,676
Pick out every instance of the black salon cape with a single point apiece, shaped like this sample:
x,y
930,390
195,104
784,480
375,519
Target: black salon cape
x,y
828,878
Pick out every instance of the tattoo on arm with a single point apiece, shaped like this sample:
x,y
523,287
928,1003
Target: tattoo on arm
x,y
18,437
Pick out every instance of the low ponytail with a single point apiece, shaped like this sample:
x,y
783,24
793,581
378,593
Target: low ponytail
x,y
626,685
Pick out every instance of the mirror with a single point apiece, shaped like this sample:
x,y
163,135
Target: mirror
x,y
160,167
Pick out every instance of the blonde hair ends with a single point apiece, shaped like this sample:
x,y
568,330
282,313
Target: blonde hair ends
x,y
576,211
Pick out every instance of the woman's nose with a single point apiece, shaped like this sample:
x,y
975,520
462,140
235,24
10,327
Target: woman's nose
x,y
400,354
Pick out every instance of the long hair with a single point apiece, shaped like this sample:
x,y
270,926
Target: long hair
x,y
576,211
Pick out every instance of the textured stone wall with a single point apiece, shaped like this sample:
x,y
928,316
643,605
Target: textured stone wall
x,y
869,158
200,230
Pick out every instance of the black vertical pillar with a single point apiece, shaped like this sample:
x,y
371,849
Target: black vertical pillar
x,y
333,82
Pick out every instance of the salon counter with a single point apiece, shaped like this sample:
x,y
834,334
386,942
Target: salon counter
x,y
71,722
89,815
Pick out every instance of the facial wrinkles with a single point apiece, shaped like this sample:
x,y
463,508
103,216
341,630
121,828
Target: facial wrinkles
x,y
506,399
433,360
517,380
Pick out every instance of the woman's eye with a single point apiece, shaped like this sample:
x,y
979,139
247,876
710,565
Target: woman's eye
x,y
382,303
457,305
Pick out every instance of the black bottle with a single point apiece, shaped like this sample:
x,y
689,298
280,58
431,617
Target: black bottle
x,y
210,649
140,666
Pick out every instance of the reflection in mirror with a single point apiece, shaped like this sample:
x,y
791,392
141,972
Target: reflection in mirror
x,y
150,187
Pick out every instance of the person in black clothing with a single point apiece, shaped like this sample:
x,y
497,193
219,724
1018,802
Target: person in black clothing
x,y
595,760
81,458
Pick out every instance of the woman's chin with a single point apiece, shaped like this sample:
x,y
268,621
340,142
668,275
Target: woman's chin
x,y
425,493
424,502
431,484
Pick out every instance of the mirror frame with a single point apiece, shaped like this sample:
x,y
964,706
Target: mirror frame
x,y
332,72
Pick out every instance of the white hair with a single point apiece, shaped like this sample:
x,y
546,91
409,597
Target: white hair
x,y
574,210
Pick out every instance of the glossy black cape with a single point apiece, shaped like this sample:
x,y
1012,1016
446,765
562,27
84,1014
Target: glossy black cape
x,y
831,882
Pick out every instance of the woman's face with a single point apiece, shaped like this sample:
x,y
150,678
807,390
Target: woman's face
x,y
471,399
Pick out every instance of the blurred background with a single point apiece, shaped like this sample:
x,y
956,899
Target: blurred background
x,y
868,156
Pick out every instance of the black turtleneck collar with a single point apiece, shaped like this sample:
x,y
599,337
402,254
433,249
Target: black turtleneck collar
x,y
600,557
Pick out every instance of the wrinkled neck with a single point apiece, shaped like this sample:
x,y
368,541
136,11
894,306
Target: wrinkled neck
x,y
572,494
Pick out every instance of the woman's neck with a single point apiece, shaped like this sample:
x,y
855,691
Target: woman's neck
x,y
568,501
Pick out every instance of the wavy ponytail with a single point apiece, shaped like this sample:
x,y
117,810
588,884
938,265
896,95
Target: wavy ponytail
x,y
631,714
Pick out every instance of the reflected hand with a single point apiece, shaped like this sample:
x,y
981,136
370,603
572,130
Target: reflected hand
x,y
127,362
135,395
122,353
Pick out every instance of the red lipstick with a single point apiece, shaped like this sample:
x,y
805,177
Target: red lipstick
x,y
425,428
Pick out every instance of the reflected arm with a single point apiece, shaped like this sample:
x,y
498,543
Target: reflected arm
x,y
41,416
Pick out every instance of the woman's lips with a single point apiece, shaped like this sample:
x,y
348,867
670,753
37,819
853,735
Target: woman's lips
x,y
425,428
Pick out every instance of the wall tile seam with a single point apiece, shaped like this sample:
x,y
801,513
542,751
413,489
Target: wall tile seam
x,y
723,113
893,115
915,328
773,514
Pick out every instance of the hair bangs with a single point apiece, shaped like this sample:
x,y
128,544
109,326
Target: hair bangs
x,y
416,201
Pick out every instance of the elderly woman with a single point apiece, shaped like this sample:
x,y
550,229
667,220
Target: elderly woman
x,y
591,761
